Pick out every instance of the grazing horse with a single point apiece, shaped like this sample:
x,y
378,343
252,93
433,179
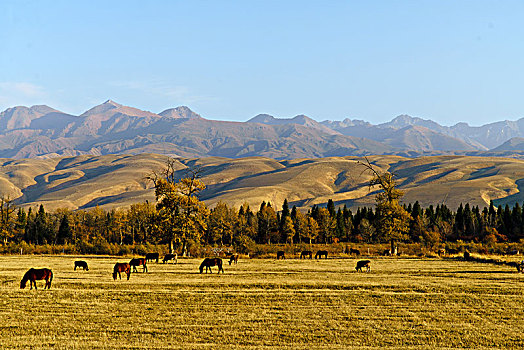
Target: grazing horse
x,y
321,253
137,262
168,257
233,258
37,274
520,266
363,263
121,267
280,254
354,251
81,264
208,262
305,254
152,256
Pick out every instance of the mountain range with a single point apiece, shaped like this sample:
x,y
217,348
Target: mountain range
x,y
111,128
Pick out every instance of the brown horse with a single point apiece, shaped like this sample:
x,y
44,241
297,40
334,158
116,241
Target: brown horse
x,y
363,263
208,262
321,253
138,262
121,267
233,258
305,254
37,274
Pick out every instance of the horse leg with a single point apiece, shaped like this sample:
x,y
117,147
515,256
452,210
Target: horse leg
x,y
145,268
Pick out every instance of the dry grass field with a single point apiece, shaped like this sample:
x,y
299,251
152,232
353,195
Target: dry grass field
x,y
263,303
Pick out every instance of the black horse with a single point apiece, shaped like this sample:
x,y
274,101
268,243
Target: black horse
x,y
321,253
81,264
280,254
152,256
305,254
168,257
363,263
208,262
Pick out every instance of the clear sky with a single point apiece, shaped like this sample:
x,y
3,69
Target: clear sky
x,y
449,61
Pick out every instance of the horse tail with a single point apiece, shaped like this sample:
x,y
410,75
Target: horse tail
x,y
50,279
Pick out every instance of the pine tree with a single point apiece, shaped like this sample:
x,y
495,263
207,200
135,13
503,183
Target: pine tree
x,y
64,231
331,208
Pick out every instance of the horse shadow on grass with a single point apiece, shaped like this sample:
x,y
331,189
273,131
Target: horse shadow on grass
x,y
479,272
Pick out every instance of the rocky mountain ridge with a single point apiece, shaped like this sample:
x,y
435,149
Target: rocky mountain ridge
x,y
111,128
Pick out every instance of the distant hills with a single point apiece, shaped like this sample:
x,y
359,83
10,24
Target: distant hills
x,y
113,181
111,128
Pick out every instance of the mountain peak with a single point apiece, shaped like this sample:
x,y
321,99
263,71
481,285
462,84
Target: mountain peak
x,y
101,108
263,119
181,112
112,103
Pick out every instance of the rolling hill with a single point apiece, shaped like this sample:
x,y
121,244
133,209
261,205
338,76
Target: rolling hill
x,y
112,181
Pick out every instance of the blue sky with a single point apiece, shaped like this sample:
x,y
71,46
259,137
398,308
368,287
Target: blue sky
x,y
449,61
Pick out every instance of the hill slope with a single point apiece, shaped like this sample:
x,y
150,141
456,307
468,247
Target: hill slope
x,y
119,180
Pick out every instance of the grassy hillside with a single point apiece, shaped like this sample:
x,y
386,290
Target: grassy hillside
x,y
120,180
263,303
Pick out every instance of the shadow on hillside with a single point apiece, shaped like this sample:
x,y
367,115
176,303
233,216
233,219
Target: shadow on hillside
x,y
33,192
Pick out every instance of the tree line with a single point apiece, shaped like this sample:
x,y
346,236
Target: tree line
x,y
227,226
180,219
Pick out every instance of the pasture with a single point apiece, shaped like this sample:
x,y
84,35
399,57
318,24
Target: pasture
x,y
263,304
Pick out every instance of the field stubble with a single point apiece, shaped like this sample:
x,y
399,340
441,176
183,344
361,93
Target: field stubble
x,y
263,303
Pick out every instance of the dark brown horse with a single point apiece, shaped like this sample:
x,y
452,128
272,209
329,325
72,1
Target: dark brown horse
x,y
208,262
121,267
81,264
138,262
363,263
280,254
305,254
233,258
152,256
321,253
37,274
354,251
168,257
